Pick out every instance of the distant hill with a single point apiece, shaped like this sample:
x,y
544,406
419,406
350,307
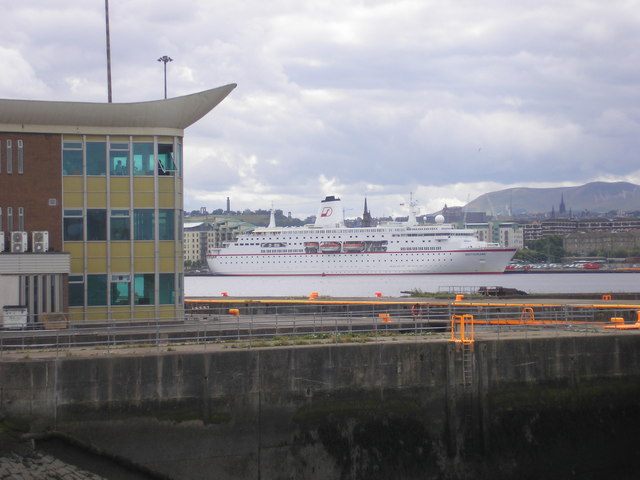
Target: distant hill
x,y
596,197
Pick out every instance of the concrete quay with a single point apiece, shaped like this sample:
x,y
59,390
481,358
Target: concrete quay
x,y
529,404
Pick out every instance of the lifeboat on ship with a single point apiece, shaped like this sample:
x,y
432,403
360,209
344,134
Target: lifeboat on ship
x,y
330,247
311,247
353,247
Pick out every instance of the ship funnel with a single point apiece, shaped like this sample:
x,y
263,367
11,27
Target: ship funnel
x,y
330,213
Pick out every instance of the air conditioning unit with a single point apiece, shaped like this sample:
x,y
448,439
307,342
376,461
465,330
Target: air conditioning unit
x,y
18,242
39,242
1,242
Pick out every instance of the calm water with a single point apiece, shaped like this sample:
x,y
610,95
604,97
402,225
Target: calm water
x,y
393,285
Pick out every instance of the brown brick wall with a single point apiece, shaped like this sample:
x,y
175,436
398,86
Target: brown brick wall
x,y
32,190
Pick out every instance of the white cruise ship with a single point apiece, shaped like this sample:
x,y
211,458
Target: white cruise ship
x,y
329,248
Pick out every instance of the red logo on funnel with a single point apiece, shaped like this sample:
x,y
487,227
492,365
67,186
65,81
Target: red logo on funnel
x,y
326,212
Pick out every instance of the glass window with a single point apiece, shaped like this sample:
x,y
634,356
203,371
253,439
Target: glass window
x,y
73,229
143,224
120,225
96,224
97,158
72,158
9,156
166,288
143,288
96,290
120,290
20,156
76,290
119,159
166,224
143,163
166,165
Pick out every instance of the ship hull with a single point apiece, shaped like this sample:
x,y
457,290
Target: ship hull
x,y
468,261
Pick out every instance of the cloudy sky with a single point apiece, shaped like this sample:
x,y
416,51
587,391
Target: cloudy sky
x,y
447,99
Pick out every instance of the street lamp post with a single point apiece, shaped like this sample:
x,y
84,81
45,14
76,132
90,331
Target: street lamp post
x,y
165,59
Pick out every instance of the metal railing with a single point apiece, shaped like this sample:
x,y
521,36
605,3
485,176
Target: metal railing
x,y
272,325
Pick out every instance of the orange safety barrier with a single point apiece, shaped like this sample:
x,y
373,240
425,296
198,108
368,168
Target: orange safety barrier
x,y
527,315
313,295
378,294
385,317
618,323
606,297
462,321
224,294
459,298
234,311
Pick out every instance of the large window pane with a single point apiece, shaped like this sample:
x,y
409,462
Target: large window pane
x,y
97,290
72,160
120,290
120,225
166,224
119,159
166,164
96,224
96,158
76,290
143,162
166,288
143,224
143,289
73,229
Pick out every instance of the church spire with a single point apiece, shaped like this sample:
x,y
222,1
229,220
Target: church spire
x,y
366,216
562,210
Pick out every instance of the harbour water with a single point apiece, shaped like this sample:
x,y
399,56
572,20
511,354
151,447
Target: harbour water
x,y
393,285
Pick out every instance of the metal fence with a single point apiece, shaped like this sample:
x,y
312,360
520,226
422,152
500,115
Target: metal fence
x,y
251,325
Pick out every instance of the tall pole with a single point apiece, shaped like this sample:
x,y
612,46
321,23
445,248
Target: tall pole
x,y
106,13
165,59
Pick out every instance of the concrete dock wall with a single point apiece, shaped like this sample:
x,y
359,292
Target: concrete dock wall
x,y
543,405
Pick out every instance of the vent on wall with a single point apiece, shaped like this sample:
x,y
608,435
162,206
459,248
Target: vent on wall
x,y
40,242
18,242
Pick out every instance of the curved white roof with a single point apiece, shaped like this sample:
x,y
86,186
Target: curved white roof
x,y
165,115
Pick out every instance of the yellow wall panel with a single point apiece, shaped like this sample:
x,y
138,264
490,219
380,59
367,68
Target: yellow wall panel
x,y
96,314
119,139
73,200
120,200
96,200
96,265
166,184
120,264
72,184
143,196
144,257
120,249
96,184
166,200
120,314
119,184
96,257
144,264
77,266
144,313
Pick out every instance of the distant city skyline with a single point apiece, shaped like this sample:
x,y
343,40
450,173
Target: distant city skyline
x,y
444,100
